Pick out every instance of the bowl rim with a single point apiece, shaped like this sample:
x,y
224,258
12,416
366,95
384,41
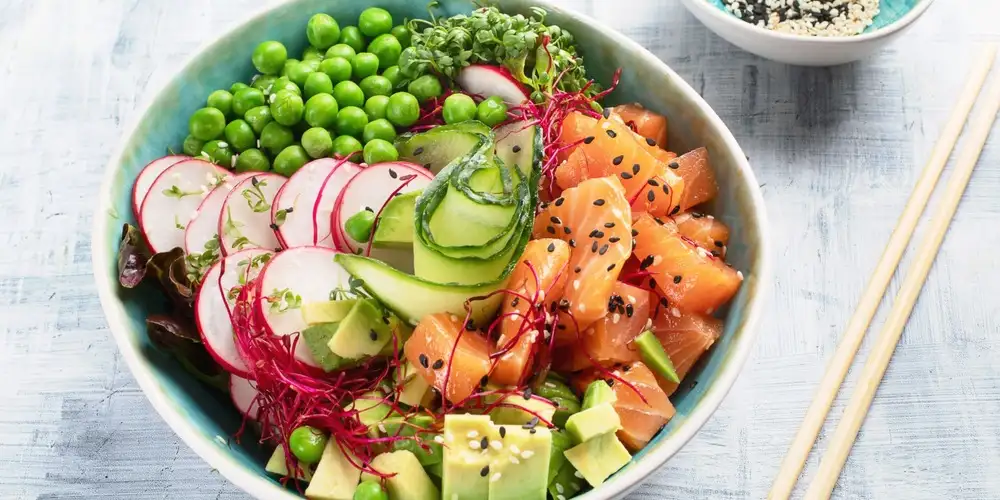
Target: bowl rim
x,y
261,487
736,23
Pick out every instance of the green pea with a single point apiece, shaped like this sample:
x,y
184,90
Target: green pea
x,y
318,83
492,111
290,160
352,37
337,68
394,76
252,160
458,108
317,142
207,124
311,53
402,33
364,64
240,136
379,129
286,107
305,442
376,85
247,99
237,86
341,50
258,118
322,31
403,110
425,88
261,82
269,57
219,153
387,49
374,21
288,66
345,146
370,490
284,83
349,93
376,106
276,137
299,71
221,100
359,226
192,145
351,120
321,111
380,150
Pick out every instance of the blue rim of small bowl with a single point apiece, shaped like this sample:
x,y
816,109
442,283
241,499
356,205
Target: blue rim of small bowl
x,y
901,23
262,487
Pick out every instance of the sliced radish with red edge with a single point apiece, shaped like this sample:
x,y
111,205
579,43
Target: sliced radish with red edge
x,y
293,207
327,200
204,227
489,81
173,199
245,219
147,175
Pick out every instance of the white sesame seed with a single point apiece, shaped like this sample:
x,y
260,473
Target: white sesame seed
x,y
657,259
559,488
514,460
560,497
675,312
581,307
514,449
550,385
223,144
526,454
381,428
258,143
474,444
495,477
497,445
576,284
615,318
631,299
232,160
453,317
577,474
438,439
739,274
472,434
649,323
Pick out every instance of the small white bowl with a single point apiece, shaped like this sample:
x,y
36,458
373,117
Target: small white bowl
x,y
798,49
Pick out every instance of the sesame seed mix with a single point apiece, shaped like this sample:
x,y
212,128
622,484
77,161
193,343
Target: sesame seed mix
x,y
807,17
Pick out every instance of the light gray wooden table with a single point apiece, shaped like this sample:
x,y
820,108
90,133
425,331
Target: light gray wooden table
x,y
836,150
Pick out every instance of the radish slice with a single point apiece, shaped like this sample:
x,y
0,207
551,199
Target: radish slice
x,y
173,199
293,207
310,274
370,190
145,179
212,305
325,202
204,227
489,81
245,219
244,394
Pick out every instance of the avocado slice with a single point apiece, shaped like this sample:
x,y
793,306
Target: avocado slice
x,y
598,392
316,338
395,224
598,458
408,427
593,422
655,356
520,470
336,477
408,481
277,465
363,332
559,393
518,411
565,484
560,443
415,390
331,311
464,461
371,408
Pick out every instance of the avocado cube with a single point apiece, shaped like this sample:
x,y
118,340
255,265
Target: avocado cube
x,y
416,392
316,338
409,480
466,468
363,332
598,392
598,458
336,477
331,311
517,410
395,224
520,470
277,465
560,443
410,427
565,484
371,407
592,422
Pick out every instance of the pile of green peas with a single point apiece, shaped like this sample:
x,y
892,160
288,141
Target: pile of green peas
x,y
307,444
344,97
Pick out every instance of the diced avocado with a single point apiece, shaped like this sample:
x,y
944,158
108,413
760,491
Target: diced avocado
x,y
655,356
565,484
520,469
558,392
436,470
408,481
598,392
363,332
592,422
598,458
464,461
415,390
516,410
331,311
409,427
371,407
316,338
277,465
400,334
336,477
395,224
560,443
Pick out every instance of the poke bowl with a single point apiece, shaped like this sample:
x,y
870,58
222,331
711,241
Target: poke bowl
x,y
458,302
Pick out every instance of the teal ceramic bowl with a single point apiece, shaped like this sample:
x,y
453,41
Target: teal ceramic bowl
x,y
894,17
206,419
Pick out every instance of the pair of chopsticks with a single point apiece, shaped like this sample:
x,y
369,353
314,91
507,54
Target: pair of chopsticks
x,y
878,360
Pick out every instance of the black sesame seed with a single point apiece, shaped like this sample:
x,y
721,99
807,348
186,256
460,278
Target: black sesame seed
x,y
527,393
552,247
503,432
611,267
533,430
598,202
675,210
629,310
289,210
567,230
483,381
666,189
611,133
427,166
677,279
515,302
618,159
393,174
372,335
716,254
438,364
652,182
418,151
674,165
274,226
517,149
658,220
626,368
589,139
485,471
572,243
483,444
652,282
651,195
470,325
635,232
559,201
551,230
611,382
650,141
606,113
577,270
593,248
603,250
626,175
697,215
555,220
564,305
648,261
609,225
663,301
614,239
593,234
718,243
635,168
423,360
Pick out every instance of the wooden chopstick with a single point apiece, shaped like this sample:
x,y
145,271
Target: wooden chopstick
x,y
885,344
837,369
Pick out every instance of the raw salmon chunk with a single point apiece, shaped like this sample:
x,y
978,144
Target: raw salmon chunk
x,y
685,337
609,341
640,420
430,348
705,230
651,126
699,179
611,149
